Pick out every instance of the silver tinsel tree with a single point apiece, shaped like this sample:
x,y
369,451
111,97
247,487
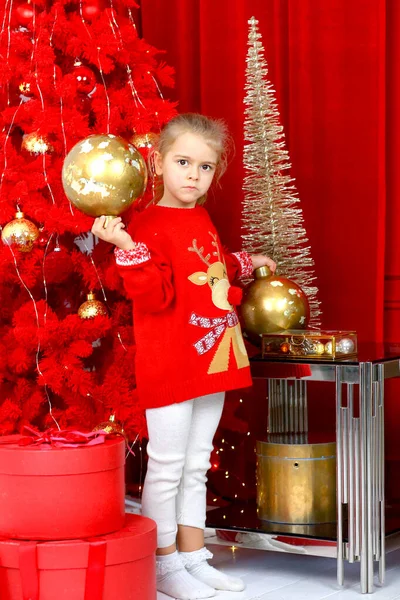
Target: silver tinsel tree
x,y
272,218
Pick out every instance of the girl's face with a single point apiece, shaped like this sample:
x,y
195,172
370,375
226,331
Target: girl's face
x,y
187,169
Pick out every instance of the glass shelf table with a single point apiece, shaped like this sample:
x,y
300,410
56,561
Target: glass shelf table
x,y
363,531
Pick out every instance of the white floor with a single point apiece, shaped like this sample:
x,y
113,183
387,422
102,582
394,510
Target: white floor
x,y
281,576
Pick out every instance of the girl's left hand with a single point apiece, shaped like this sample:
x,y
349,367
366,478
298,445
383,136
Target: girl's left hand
x,y
260,260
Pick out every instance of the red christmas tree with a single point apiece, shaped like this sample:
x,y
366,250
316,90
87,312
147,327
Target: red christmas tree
x,y
68,69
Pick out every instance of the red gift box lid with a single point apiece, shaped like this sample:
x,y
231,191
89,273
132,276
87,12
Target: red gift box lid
x,y
136,540
47,460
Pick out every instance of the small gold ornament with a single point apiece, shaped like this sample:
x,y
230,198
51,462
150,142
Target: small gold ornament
x,y
104,175
144,140
273,303
319,348
21,232
92,308
111,426
285,347
35,143
328,348
26,88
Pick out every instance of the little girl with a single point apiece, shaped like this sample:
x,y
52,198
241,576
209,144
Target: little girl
x,y
189,346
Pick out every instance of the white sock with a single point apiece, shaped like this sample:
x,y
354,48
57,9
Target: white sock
x,y
196,564
175,581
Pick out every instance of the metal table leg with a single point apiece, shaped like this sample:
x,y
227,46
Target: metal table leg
x,y
372,474
366,559
380,483
340,466
360,475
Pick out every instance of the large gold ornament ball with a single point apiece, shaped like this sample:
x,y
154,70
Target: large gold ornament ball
x,y
92,308
20,232
144,140
104,175
273,303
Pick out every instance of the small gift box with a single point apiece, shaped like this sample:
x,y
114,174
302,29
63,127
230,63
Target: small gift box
x,y
61,484
309,344
116,566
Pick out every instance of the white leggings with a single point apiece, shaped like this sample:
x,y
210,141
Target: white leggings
x,y
180,443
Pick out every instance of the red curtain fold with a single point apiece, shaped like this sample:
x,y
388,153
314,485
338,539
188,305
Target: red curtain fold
x,y
392,264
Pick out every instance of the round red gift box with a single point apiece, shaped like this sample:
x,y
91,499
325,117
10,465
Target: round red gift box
x,y
116,566
52,493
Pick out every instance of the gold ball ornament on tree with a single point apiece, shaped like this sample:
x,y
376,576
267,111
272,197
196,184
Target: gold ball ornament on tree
x,y
273,303
112,426
104,175
144,140
26,88
35,143
92,308
20,232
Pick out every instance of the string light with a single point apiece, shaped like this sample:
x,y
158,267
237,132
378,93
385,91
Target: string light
x,y
38,333
89,253
227,473
133,23
5,158
115,24
61,102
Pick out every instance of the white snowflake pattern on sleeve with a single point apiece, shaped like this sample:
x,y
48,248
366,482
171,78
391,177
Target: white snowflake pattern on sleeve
x,y
130,258
246,266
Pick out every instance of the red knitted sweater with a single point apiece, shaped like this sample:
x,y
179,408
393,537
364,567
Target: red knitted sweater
x,y
188,339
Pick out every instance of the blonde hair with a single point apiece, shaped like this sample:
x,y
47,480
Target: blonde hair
x,y
213,131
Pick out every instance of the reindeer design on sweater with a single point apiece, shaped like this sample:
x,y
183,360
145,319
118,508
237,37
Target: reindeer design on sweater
x,y
224,331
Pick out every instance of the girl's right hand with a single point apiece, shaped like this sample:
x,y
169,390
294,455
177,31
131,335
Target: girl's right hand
x,y
113,233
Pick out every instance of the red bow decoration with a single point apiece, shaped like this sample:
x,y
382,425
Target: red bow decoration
x,y
66,438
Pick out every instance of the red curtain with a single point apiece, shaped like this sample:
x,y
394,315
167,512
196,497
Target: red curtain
x,y
335,68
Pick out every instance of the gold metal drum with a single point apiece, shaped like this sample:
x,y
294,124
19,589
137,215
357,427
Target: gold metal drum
x,y
296,483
